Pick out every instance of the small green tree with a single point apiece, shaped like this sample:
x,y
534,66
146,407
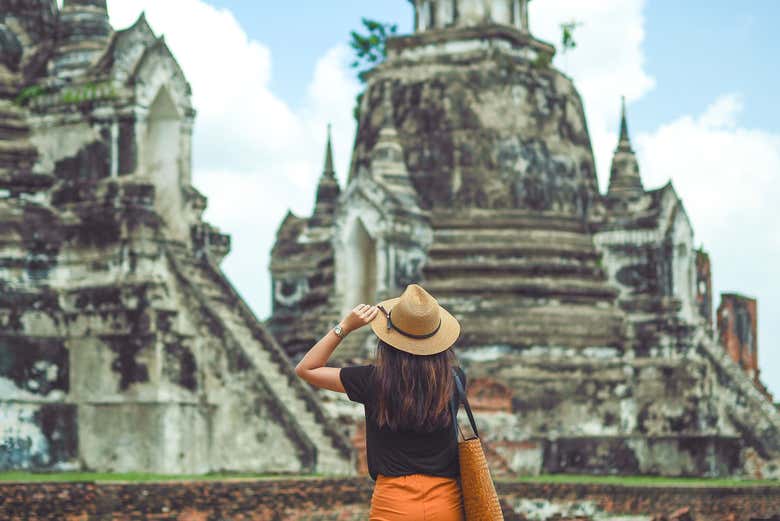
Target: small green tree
x,y
370,50
567,35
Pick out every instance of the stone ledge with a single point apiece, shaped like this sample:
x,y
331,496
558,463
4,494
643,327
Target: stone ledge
x,y
293,498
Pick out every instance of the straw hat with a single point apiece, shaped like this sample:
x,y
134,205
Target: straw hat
x,y
415,323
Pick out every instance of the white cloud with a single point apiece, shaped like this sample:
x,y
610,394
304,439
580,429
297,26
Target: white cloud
x,y
607,63
254,155
725,173
723,112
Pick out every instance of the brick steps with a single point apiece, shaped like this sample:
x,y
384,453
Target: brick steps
x,y
528,286
329,459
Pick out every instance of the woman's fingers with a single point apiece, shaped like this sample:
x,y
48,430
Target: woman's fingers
x,y
362,314
369,313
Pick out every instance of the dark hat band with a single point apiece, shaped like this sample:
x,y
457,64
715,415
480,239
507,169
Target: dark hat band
x,y
390,326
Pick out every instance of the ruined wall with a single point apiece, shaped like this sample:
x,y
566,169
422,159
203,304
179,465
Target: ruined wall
x,y
704,296
348,499
574,309
591,414
737,317
123,347
648,252
460,153
303,276
586,317
496,147
737,325
106,375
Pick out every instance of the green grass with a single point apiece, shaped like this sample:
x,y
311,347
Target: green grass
x,y
50,477
650,481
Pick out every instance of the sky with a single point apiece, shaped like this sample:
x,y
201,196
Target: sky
x,y
700,79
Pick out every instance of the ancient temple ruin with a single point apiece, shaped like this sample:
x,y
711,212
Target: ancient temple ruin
x,y
587,317
123,347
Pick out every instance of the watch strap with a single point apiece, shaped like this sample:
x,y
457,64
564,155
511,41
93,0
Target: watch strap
x,y
339,332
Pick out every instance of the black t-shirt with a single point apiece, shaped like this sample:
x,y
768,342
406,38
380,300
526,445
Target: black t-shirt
x,y
402,452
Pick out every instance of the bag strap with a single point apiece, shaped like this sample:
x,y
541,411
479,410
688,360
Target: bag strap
x,y
454,404
460,397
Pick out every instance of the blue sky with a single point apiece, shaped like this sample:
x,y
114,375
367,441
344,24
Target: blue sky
x,y
696,49
700,78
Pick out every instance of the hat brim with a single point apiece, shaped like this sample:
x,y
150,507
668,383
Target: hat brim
x,y
447,334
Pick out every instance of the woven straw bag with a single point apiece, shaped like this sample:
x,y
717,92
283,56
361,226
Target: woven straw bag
x,y
480,500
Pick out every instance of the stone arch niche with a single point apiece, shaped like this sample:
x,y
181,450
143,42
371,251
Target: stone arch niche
x,y
683,264
360,268
162,159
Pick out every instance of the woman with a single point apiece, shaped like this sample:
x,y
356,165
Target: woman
x,y
410,440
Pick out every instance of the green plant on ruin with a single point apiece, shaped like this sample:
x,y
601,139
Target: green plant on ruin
x,y
70,95
567,35
29,93
370,50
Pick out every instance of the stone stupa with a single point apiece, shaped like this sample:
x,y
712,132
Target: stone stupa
x,y
587,317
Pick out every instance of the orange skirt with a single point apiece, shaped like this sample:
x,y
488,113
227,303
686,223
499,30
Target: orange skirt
x,y
416,497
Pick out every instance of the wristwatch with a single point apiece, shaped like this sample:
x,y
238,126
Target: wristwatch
x,y
339,331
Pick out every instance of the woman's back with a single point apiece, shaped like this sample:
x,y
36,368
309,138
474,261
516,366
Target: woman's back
x,y
398,452
410,439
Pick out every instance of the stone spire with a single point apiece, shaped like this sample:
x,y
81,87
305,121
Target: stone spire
x,y
328,171
624,142
17,154
82,36
444,14
624,179
387,158
328,190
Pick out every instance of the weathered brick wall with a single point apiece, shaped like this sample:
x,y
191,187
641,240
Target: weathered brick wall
x,y
657,503
348,500
737,330
737,325
255,500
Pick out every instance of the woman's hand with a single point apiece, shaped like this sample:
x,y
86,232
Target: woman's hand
x,y
312,366
359,317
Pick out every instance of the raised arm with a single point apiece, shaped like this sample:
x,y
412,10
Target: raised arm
x,y
312,366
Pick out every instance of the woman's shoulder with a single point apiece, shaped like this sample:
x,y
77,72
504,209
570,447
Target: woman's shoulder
x,y
363,370
357,381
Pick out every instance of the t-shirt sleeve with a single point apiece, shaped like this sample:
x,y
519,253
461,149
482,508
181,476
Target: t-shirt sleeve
x,y
356,380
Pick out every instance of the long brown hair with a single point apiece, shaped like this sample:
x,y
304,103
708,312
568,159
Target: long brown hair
x,y
413,391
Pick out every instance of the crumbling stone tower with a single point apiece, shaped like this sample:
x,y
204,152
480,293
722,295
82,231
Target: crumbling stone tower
x,y
586,316
123,347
